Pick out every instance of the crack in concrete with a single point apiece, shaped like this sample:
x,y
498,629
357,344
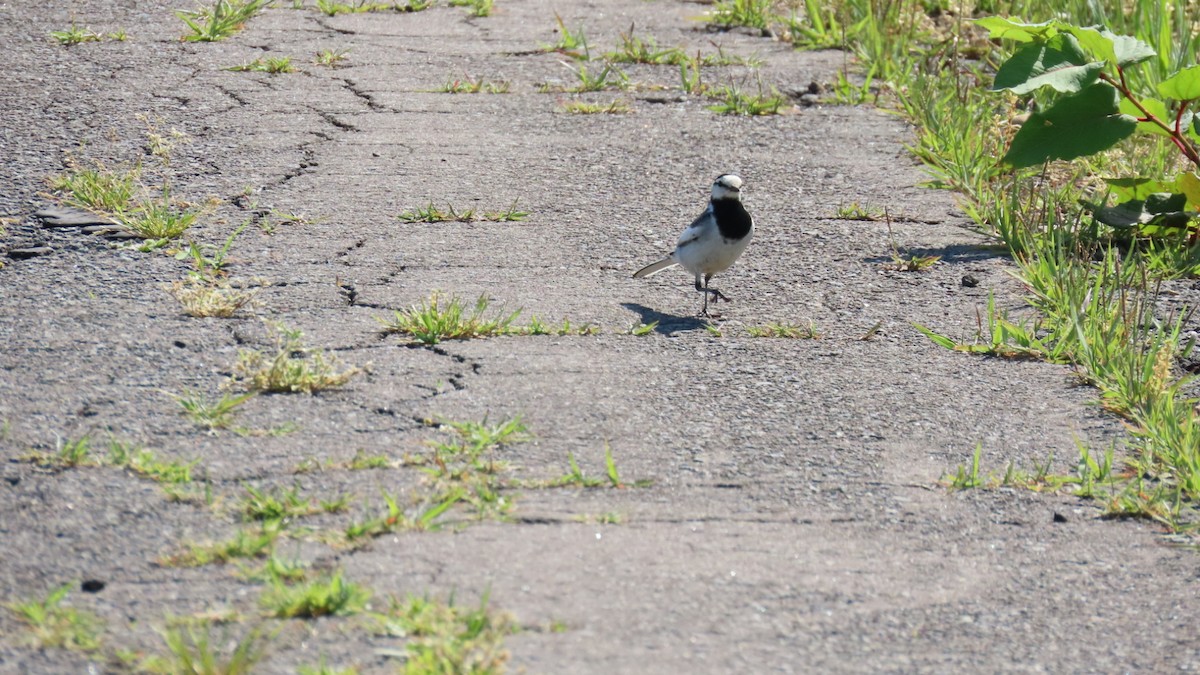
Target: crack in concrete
x,y
374,105
238,98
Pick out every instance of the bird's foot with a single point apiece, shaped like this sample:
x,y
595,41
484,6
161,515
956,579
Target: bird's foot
x,y
718,295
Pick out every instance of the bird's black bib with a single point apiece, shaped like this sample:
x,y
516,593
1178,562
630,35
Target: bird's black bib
x,y
732,219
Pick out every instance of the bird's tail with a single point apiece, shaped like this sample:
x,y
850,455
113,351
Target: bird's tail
x,y
654,268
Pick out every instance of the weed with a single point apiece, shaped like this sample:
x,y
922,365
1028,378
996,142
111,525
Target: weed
x,y
469,86
615,107
336,505
75,453
965,477
224,18
204,299
333,8
478,8
911,262
162,144
432,214
784,330
691,79
52,625
331,595
277,505
570,43
510,215
637,50
435,320
467,465
98,188
361,461
574,476
395,518
444,638
610,470
272,64
907,262
246,543
733,101
639,329
119,35
608,77
218,414
292,368
819,26
75,35
856,211
331,58
192,649
145,463
275,569
158,221
742,13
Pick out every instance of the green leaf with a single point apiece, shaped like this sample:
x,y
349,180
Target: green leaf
x,y
1058,63
1188,183
939,340
1183,85
1158,211
1007,29
1101,43
1158,109
1076,125
1127,189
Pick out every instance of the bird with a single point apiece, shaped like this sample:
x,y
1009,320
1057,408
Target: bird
x,y
714,240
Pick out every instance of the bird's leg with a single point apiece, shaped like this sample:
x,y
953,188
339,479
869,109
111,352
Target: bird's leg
x,y
717,295
705,291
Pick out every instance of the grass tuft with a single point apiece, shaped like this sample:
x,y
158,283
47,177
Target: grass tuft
x,y
474,86
435,320
784,330
330,595
75,35
733,101
200,298
222,19
270,64
444,638
192,649
615,107
52,625
293,368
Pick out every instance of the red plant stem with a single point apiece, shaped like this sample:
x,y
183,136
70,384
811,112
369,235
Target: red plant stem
x,y
1174,132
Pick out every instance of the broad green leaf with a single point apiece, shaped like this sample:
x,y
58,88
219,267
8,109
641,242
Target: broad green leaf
x,y
1130,50
1183,85
1188,183
1159,210
1076,125
1166,223
1154,107
1128,189
1103,44
1058,63
1007,29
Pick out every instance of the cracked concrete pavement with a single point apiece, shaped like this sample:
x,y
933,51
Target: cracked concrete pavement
x,y
794,523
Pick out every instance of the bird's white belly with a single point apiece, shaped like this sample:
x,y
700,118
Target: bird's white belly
x,y
711,257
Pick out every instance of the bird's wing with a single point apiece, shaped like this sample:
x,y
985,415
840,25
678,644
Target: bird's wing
x,y
700,227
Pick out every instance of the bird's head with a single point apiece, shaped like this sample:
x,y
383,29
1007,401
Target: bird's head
x,y
727,186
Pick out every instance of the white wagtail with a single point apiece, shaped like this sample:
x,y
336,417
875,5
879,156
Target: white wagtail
x,y
713,241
